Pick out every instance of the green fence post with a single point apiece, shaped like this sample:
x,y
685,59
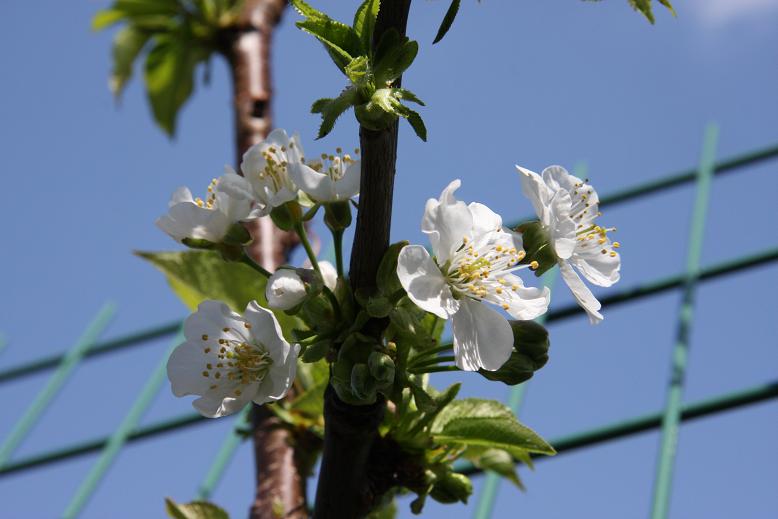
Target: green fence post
x,y
65,368
516,396
672,413
119,437
224,456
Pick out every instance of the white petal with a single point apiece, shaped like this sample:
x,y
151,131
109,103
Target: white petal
x,y
535,189
447,222
188,220
318,186
280,378
215,407
482,337
180,195
557,177
185,369
524,303
600,269
285,290
560,226
266,329
329,274
210,319
348,186
424,282
484,219
581,292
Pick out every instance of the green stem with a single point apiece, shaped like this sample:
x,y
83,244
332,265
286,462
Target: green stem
x,y
300,230
433,369
423,363
337,237
246,259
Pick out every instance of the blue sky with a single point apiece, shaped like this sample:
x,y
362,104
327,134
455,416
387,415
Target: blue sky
x,y
533,83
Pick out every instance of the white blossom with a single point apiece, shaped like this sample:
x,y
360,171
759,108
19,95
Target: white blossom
x,y
567,208
473,262
286,289
209,219
266,166
230,359
328,178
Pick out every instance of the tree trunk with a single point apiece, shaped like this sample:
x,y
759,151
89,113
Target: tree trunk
x,y
280,487
346,489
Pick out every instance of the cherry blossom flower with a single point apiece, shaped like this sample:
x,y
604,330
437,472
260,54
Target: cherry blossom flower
x,y
473,263
328,178
229,359
212,218
567,208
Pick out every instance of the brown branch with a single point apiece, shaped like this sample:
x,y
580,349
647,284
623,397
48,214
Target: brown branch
x,y
346,488
280,486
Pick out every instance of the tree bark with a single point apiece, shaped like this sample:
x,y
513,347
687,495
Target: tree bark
x,y
280,487
345,488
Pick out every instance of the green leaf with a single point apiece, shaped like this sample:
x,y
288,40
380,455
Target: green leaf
x,y
199,275
194,510
364,23
306,10
386,278
424,402
196,276
486,423
331,109
402,93
169,75
127,44
393,56
499,461
417,124
311,401
448,19
105,18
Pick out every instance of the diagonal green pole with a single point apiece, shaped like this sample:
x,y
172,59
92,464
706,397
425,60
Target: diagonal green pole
x,y
224,456
672,413
65,368
488,497
120,435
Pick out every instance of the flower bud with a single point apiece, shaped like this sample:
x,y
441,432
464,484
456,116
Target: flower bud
x,y
285,290
452,487
538,247
337,215
362,384
530,353
381,367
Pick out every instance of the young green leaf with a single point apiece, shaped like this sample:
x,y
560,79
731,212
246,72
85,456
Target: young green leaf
x,y
196,276
448,19
364,23
169,75
127,44
339,40
386,277
486,423
331,109
498,461
393,56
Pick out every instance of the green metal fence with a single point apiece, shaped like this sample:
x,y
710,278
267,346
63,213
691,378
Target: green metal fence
x,y
668,420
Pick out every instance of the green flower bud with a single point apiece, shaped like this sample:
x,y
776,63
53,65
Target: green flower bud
x,y
530,345
337,215
386,278
452,487
381,367
237,235
540,252
287,215
363,386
